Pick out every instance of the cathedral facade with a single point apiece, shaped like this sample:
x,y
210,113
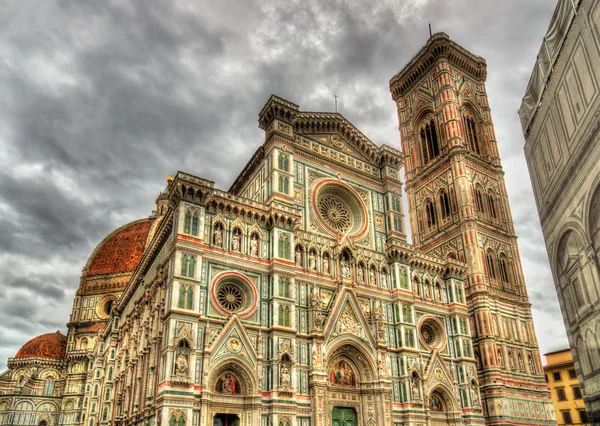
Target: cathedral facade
x,y
294,299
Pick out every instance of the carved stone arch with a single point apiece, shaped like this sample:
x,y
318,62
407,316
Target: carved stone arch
x,y
446,393
247,377
49,374
578,230
177,413
255,229
46,404
439,289
237,224
420,112
284,421
356,353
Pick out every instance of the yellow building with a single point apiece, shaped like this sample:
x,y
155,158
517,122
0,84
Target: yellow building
x,y
564,386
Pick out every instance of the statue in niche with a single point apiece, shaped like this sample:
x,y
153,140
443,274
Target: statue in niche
x,y
326,265
285,377
414,388
345,269
474,396
530,362
373,277
438,293
521,365
298,257
500,359
254,246
235,242
181,365
426,289
361,275
218,237
384,283
312,261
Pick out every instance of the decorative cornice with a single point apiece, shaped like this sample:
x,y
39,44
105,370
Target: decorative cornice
x,y
438,46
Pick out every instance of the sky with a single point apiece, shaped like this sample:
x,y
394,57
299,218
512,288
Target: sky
x,y
102,99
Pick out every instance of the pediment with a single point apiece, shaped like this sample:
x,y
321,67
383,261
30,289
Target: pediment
x,y
233,341
437,372
347,318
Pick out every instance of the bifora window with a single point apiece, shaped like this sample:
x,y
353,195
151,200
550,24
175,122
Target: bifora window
x,y
470,129
430,147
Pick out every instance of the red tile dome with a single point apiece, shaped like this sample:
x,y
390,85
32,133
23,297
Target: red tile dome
x,y
120,251
51,345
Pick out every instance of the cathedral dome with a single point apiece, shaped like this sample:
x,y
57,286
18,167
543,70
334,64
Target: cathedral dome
x,y
51,345
120,251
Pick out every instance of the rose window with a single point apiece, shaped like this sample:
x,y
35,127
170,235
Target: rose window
x,y
432,334
233,293
335,213
230,297
339,209
428,334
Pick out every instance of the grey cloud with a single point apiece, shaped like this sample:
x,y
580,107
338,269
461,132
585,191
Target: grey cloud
x,y
102,100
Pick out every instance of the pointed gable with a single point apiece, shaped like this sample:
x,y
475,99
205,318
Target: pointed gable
x,y
233,341
347,319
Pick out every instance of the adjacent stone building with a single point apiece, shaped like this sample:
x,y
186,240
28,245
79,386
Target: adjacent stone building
x,y
565,388
294,299
561,122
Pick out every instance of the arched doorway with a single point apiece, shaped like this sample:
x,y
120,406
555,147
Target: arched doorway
x,y
226,420
233,399
441,408
350,391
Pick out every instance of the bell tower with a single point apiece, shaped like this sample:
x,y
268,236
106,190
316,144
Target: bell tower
x,y
459,209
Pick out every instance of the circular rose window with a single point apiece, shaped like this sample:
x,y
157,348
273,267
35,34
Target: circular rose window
x,y
230,297
431,333
339,208
234,293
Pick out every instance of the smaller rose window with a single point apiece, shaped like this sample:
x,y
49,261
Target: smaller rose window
x,y
431,333
428,334
230,297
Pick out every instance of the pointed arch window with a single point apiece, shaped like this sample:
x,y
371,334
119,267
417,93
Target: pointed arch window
x,y
284,184
445,205
470,132
284,287
107,394
492,206
504,268
110,373
284,162
284,315
186,296
284,246
105,414
430,215
48,387
195,224
490,263
187,222
479,201
188,266
430,147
